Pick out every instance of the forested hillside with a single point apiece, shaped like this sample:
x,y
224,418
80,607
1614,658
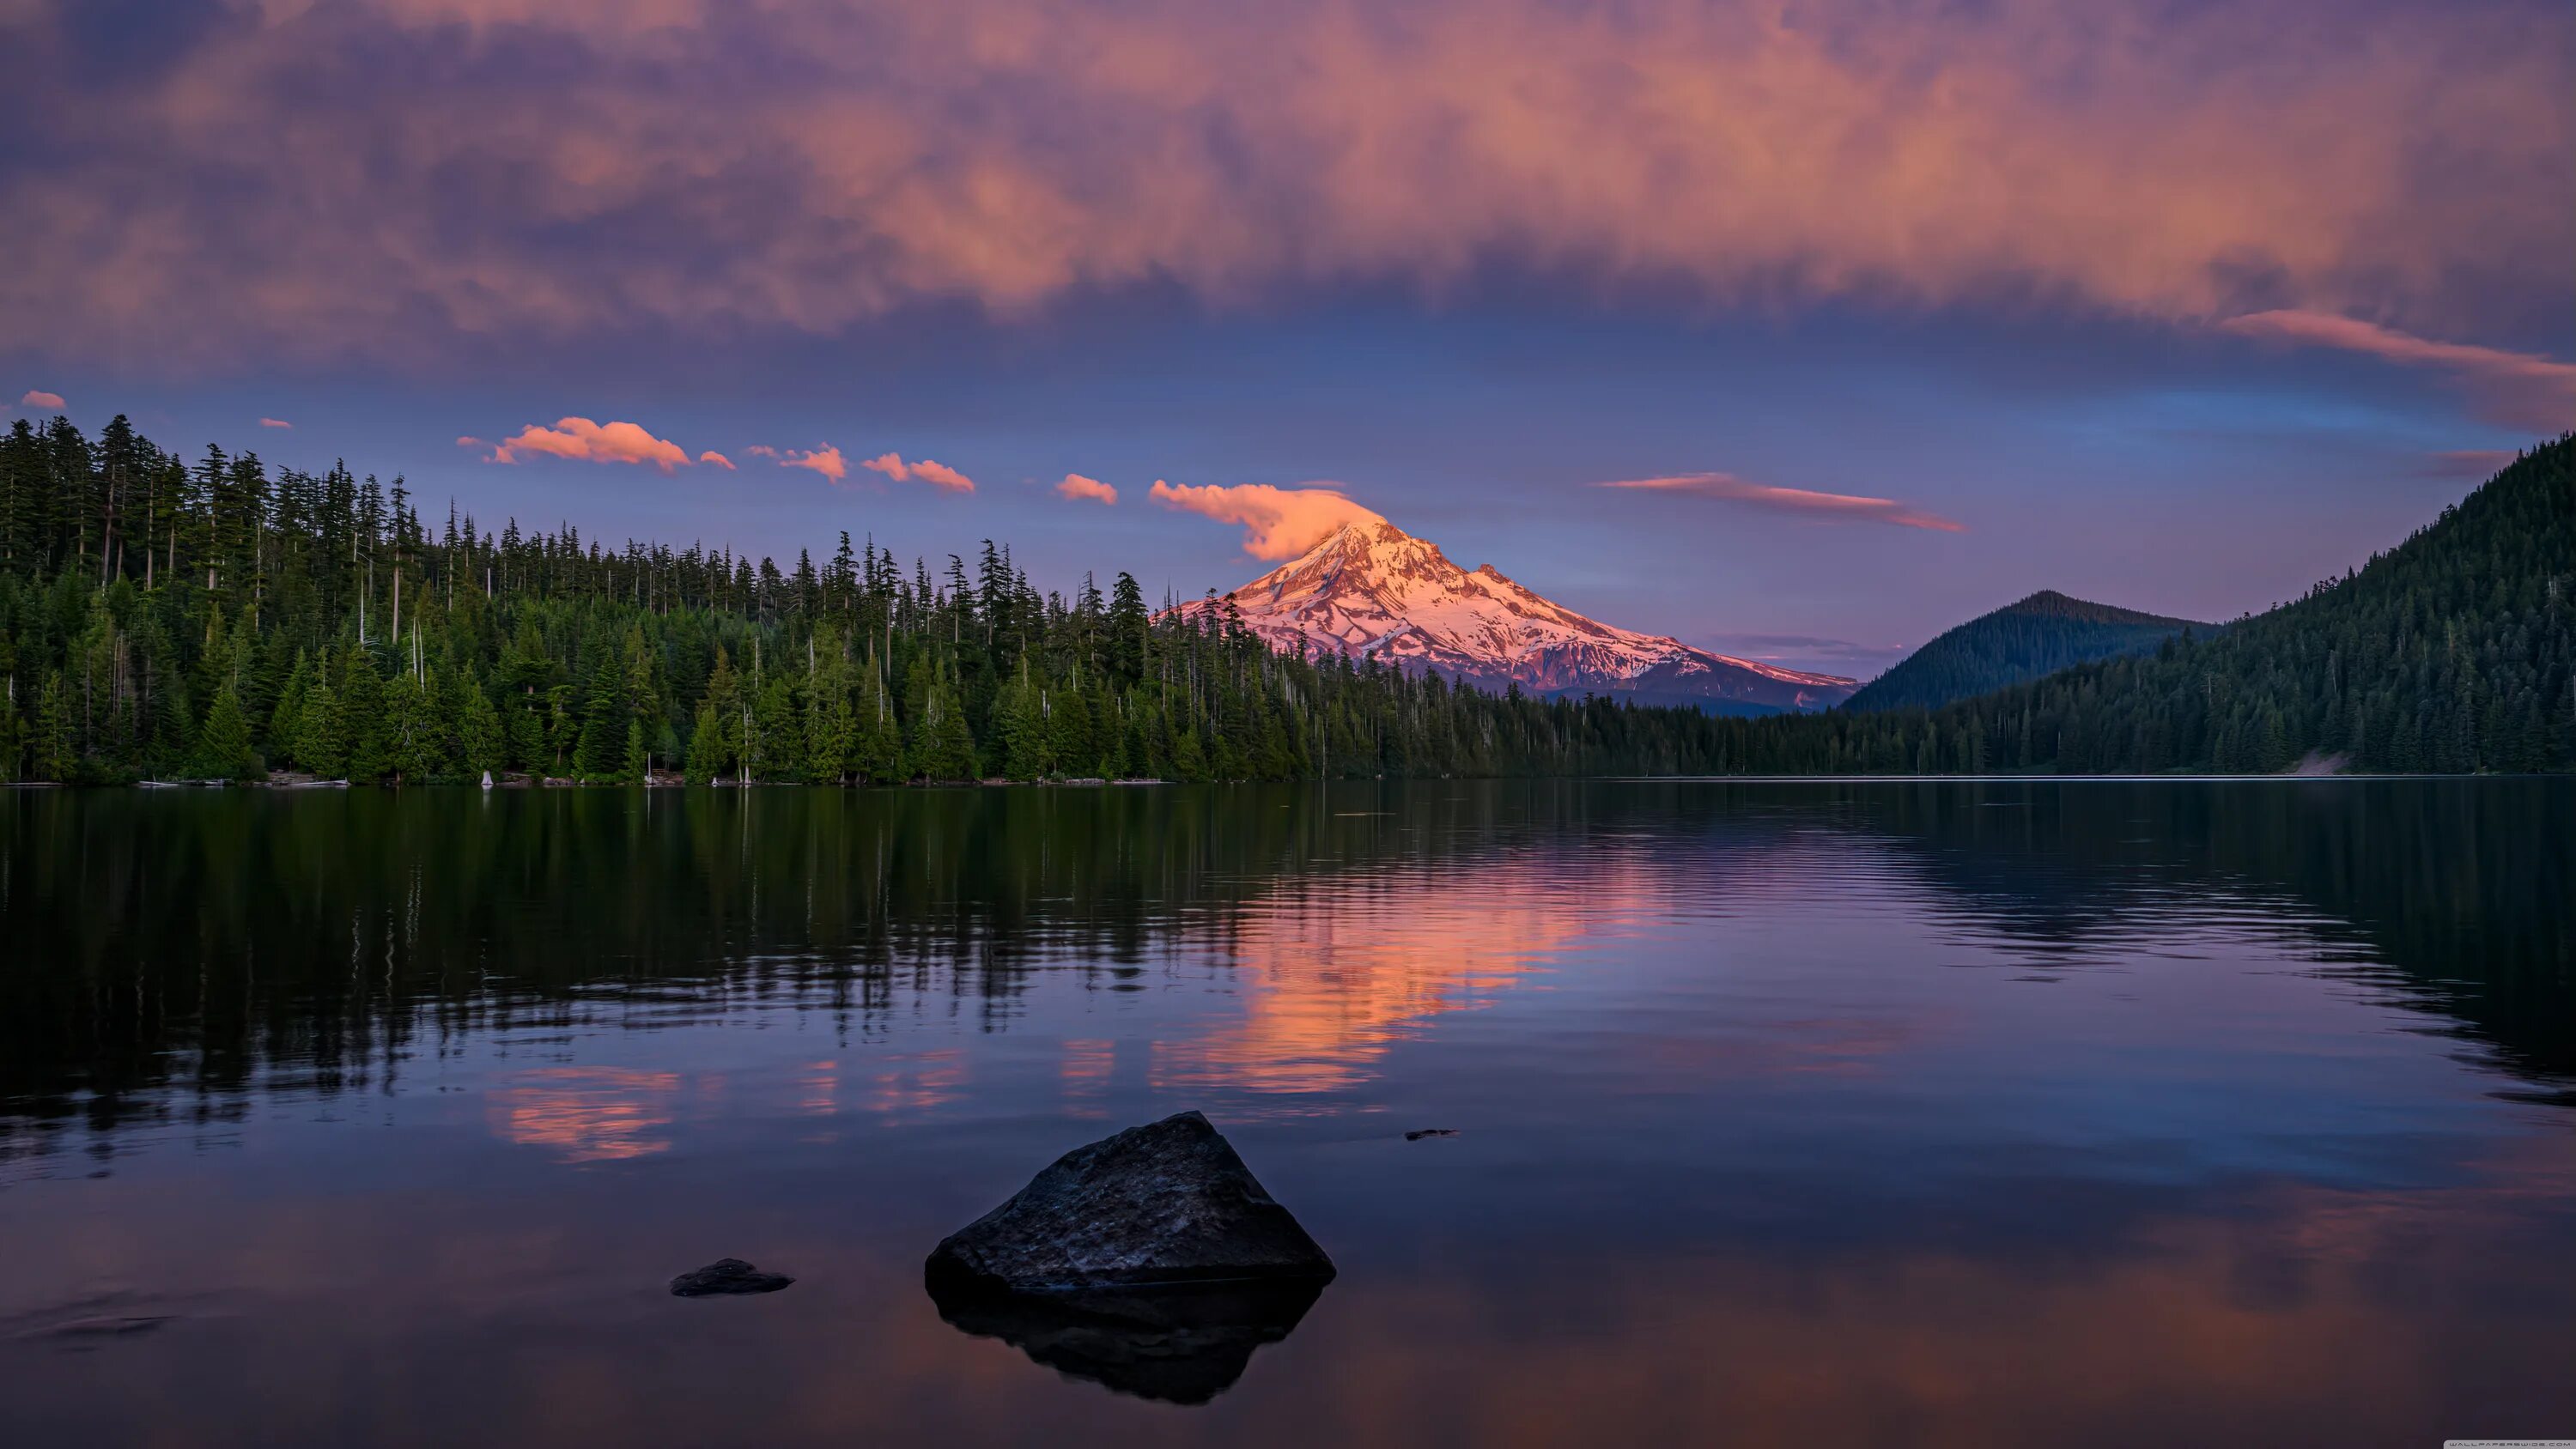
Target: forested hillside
x,y
165,618
2454,652
2038,636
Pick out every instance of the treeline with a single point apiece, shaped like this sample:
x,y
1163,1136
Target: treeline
x,y
2452,653
162,618
2038,636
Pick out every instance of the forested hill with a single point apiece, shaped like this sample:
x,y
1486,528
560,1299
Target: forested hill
x,y
2039,635
2454,652
212,618
162,617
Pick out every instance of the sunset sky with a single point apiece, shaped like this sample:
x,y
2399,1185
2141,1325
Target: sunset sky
x,y
1879,314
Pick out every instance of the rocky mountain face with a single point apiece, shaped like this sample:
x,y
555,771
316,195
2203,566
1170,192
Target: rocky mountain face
x,y
1373,590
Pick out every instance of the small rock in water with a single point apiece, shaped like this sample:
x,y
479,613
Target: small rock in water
x,y
1418,1133
1163,1204
727,1275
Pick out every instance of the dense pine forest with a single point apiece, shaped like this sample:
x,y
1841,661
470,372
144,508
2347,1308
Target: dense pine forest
x,y
163,618
2028,639
166,618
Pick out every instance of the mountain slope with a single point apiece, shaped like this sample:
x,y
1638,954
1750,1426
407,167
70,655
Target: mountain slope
x,y
2454,652
1371,590
2039,635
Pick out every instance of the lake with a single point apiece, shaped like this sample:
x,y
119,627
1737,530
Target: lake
x,y
1974,1113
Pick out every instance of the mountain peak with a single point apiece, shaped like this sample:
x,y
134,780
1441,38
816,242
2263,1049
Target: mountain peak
x,y
1371,590
2041,634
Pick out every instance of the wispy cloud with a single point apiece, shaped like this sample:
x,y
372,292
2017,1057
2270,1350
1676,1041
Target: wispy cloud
x,y
587,441
2468,462
1811,653
761,450
1803,502
717,459
928,470
39,398
275,423
2520,389
1078,487
825,460
1277,523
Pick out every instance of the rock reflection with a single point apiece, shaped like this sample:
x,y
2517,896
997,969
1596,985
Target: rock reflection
x,y
1175,1345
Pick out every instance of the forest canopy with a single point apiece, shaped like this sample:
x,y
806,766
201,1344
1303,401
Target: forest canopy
x,y
162,618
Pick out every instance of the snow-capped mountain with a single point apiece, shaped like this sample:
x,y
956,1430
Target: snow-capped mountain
x,y
1373,589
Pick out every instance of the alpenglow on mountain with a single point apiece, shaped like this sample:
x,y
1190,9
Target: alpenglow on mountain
x,y
1371,590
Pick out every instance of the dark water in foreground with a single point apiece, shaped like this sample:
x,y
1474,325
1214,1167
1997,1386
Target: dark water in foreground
x,y
1974,1114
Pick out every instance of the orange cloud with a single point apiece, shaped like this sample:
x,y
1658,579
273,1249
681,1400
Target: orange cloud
x,y
1830,507
275,423
580,438
928,470
825,460
2523,389
941,475
716,458
39,398
2123,156
1277,522
1078,487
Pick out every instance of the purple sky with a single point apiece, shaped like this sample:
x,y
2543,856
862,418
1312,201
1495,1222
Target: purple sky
x,y
1893,312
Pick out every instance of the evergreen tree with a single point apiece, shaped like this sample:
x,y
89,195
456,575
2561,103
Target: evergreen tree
x,y
223,741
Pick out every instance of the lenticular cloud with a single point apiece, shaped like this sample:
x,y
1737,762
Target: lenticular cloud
x,y
1277,522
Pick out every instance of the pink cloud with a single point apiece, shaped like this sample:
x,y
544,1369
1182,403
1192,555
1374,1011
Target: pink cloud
x,y
2124,156
1078,487
275,423
1277,522
468,440
1829,507
825,460
580,438
39,398
2522,389
2468,462
928,470
940,475
716,458
761,450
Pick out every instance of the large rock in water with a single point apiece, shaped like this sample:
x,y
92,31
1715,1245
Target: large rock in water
x,y
1168,1203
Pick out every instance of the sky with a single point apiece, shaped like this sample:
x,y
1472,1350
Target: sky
x,y
1797,331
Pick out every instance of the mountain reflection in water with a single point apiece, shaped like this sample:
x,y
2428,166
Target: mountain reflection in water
x,y
1985,1113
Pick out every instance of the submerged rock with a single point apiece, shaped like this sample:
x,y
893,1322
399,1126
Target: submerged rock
x,y
727,1275
1162,1204
1178,1344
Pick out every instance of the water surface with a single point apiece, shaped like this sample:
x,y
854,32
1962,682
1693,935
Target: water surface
x,y
1949,1113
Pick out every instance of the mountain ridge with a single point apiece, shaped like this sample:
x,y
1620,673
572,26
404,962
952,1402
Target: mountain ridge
x,y
1371,590
2036,635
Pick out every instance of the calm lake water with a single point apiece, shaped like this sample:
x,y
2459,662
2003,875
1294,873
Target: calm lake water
x,y
1831,1113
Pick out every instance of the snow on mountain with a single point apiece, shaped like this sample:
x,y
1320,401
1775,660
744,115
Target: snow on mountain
x,y
1371,589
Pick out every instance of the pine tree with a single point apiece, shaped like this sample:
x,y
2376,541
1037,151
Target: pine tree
x,y
479,734
223,741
